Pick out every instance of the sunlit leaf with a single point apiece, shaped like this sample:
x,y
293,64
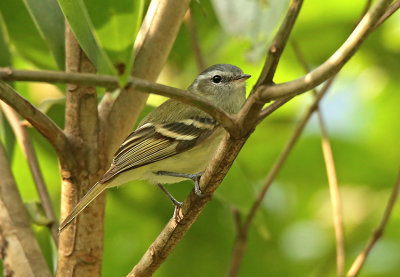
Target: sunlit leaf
x,y
253,19
116,24
23,34
79,20
49,20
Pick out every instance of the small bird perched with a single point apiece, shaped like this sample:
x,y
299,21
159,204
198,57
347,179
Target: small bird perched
x,y
175,141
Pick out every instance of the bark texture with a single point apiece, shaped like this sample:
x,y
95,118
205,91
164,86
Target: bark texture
x,y
81,244
19,249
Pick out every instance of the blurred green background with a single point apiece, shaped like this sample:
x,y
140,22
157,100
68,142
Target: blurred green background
x,y
292,234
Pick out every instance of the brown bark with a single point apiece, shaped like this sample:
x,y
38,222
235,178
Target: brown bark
x,y
39,120
81,244
173,232
30,155
19,249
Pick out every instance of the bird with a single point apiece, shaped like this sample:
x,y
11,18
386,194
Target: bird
x,y
175,141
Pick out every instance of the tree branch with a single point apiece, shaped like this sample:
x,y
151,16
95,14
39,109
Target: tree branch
x,y
19,249
377,234
334,195
331,174
278,45
9,74
333,64
391,10
80,250
30,155
191,208
40,121
249,114
241,237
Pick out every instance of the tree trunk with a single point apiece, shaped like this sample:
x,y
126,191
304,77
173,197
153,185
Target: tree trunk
x,y
81,244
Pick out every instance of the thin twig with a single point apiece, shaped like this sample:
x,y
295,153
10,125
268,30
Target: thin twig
x,y
391,10
39,120
19,250
241,239
377,234
30,155
332,177
9,74
334,195
249,114
278,45
333,64
272,107
194,41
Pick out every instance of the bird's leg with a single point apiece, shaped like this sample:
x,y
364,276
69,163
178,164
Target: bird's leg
x,y
176,203
194,177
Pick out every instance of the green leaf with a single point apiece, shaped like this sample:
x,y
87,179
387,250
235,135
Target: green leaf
x,y
79,20
49,20
7,136
5,57
23,34
116,24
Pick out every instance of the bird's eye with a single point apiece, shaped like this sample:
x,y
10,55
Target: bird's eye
x,y
216,79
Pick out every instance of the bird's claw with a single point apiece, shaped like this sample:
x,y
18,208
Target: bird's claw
x,y
178,214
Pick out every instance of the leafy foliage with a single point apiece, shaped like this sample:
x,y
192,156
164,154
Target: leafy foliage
x,y
293,233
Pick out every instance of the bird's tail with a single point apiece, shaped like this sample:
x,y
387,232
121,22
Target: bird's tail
x,y
86,200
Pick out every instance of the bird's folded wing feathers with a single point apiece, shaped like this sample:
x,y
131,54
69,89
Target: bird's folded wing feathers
x,y
154,142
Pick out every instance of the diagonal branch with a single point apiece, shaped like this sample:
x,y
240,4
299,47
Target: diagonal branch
x,y
241,238
278,45
391,10
333,64
332,176
39,120
19,249
377,234
191,208
30,155
248,116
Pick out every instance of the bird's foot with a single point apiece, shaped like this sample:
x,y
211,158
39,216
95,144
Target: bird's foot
x,y
194,177
178,214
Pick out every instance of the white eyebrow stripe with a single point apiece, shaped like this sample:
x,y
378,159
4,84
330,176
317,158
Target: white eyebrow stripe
x,y
209,74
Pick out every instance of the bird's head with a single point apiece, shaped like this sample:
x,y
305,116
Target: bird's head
x,y
224,84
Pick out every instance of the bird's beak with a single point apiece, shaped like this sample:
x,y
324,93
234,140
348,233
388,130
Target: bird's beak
x,y
242,78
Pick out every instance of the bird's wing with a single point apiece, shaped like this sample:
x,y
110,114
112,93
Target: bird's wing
x,y
154,142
